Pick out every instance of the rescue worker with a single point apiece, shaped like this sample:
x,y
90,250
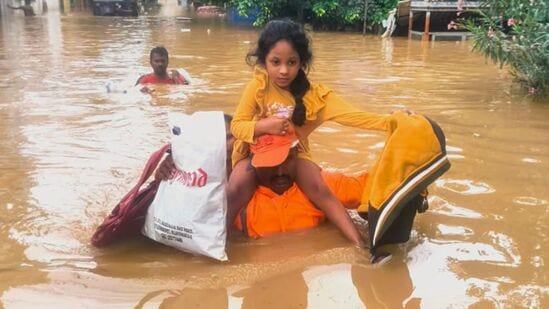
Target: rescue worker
x,y
277,204
159,60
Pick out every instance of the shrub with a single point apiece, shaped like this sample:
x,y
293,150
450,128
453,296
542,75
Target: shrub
x,y
516,33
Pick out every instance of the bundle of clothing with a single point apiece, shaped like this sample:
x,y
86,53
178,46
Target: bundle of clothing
x,y
413,157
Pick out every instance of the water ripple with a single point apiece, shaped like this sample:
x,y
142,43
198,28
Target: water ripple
x,y
442,206
465,186
530,201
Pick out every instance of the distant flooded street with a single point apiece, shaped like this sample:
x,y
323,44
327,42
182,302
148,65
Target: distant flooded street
x,y
69,150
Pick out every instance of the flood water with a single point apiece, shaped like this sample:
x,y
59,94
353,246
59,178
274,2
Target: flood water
x,y
69,150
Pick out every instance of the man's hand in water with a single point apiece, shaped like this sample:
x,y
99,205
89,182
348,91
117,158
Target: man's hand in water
x,y
146,89
175,76
174,73
165,169
406,111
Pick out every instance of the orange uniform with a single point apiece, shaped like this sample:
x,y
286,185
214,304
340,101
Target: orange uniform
x,y
269,213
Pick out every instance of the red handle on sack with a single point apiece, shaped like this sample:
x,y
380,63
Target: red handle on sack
x,y
127,217
149,168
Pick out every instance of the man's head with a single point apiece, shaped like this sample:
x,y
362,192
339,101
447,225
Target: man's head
x,y
275,159
159,60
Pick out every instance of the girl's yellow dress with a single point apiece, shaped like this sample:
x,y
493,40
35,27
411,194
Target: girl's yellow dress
x,y
263,98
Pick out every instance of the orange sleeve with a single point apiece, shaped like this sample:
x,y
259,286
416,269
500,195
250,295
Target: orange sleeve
x,y
347,189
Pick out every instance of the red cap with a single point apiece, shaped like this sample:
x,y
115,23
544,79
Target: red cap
x,y
271,150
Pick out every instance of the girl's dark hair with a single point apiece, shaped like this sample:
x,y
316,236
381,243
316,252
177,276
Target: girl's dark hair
x,y
293,33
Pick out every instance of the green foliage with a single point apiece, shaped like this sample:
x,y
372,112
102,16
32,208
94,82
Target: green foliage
x,y
267,9
337,13
330,14
516,33
378,10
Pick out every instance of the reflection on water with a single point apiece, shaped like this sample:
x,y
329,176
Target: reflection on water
x,y
325,286
70,149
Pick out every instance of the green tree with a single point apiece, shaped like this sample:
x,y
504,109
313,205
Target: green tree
x,y
516,33
329,14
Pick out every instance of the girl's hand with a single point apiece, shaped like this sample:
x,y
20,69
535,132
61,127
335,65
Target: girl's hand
x,y
407,111
272,125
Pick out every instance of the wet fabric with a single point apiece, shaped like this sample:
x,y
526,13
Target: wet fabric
x,y
269,213
413,157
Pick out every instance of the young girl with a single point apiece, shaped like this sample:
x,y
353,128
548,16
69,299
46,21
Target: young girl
x,y
278,94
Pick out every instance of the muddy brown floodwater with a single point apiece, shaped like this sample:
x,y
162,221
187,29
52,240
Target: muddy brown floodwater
x,y
69,150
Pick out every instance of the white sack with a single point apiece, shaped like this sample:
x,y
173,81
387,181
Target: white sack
x,y
189,209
